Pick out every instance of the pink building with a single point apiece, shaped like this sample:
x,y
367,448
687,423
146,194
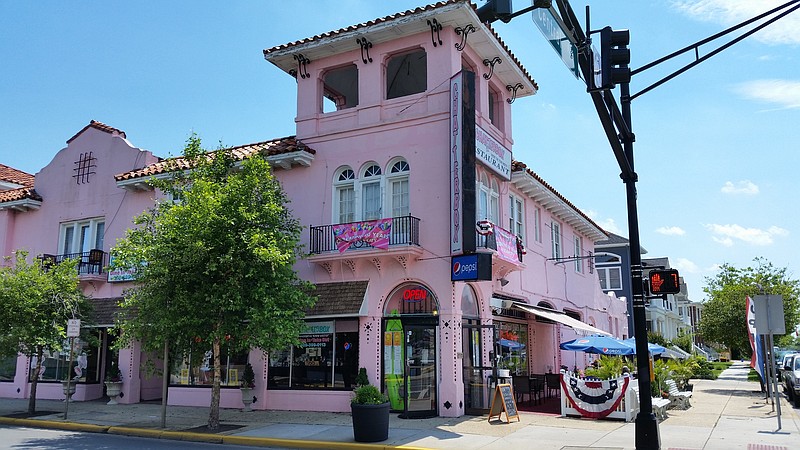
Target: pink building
x,y
438,258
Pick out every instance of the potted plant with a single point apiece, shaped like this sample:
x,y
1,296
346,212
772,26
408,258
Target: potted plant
x,y
370,411
113,383
247,385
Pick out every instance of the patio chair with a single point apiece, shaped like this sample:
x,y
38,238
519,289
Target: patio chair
x,y
553,383
678,398
537,384
521,387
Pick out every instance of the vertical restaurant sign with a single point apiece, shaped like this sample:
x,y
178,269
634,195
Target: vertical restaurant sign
x,y
492,153
455,164
373,232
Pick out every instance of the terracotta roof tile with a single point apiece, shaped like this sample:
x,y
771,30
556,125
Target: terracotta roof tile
x,y
19,194
98,126
269,148
398,16
12,175
517,166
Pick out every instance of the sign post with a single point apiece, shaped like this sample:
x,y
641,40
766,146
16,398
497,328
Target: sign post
x,y
73,331
769,321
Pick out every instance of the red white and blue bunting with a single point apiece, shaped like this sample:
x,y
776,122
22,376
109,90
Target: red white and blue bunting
x,y
594,399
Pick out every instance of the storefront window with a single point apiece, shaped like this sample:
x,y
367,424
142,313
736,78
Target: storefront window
x,y
512,347
85,360
327,358
196,368
8,368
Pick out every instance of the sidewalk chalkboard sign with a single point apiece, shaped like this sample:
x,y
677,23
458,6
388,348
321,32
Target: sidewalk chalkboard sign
x,y
503,400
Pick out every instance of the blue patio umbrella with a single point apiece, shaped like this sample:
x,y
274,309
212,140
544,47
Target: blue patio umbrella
x,y
603,345
509,344
652,348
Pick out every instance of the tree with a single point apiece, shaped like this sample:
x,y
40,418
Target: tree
x,y
215,264
723,320
37,301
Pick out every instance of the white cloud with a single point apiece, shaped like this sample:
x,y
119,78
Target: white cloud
x,y
607,224
740,187
786,30
671,231
685,265
783,93
726,234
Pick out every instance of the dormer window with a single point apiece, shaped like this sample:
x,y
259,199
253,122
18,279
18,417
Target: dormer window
x,y
340,88
406,74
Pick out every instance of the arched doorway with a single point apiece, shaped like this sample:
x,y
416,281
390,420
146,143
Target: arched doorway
x,y
411,318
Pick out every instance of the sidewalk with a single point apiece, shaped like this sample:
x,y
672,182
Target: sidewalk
x,y
726,414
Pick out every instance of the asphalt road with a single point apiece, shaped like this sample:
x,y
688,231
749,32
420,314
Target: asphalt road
x,y
41,439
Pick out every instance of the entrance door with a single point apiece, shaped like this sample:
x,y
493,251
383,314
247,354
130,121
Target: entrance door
x,y
476,373
420,371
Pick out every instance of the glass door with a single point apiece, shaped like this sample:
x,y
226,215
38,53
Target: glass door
x,y
420,371
477,370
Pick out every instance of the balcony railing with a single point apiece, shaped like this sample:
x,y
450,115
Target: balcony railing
x,y
368,234
89,263
507,245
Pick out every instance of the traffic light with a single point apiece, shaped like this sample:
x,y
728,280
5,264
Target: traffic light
x,y
665,282
615,57
495,9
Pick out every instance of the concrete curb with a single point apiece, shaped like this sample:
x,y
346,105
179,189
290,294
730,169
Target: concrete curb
x,y
199,437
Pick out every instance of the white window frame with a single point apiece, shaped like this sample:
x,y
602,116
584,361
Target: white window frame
x,y
555,239
398,173
371,177
72,232
578,246
488,200
603,273
537,224
516,216
344,180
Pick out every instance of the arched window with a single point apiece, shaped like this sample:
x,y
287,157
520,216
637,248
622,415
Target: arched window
x,y
469,303
398,188
371,192
344,195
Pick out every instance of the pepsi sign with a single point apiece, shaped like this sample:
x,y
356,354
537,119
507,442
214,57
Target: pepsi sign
x,y
474,267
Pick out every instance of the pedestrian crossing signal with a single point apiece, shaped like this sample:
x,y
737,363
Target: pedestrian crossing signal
x,y
665,282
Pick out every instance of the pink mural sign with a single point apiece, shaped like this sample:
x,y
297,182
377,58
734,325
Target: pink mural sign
x,y
373,232
506,245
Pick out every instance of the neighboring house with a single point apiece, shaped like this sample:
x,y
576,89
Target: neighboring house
x,y
612,260
403,126
73,209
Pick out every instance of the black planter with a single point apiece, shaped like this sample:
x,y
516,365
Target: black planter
x,y
370,422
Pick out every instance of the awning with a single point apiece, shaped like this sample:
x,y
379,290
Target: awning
x,y
584,329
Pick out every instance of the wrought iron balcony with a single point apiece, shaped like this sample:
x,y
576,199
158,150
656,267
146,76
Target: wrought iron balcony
x,y
507,245
380,233
89,263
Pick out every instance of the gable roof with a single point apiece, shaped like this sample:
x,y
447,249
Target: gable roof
x,y
273,148
456,13
98,126
15,176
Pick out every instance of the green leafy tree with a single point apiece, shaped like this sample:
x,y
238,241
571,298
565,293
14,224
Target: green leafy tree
x,y
724,313
36,302
215,266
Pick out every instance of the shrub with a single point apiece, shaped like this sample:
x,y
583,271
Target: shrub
x,y
362,379
248,377
367,394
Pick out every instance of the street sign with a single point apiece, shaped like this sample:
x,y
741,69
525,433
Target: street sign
x,y
769,314
554,32
73,327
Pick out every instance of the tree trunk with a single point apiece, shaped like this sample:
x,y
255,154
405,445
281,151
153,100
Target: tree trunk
x,y
35,381
213,416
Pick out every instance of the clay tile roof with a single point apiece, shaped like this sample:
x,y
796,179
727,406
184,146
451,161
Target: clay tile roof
x,y
12,175
517,166
98,126
397,16
19,194
268,148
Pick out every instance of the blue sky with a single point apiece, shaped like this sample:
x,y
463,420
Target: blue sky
x,y
716,148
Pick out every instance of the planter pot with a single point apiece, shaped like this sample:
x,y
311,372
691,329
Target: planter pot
x,y
113,388
503,373
247,398
68,388
370,422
